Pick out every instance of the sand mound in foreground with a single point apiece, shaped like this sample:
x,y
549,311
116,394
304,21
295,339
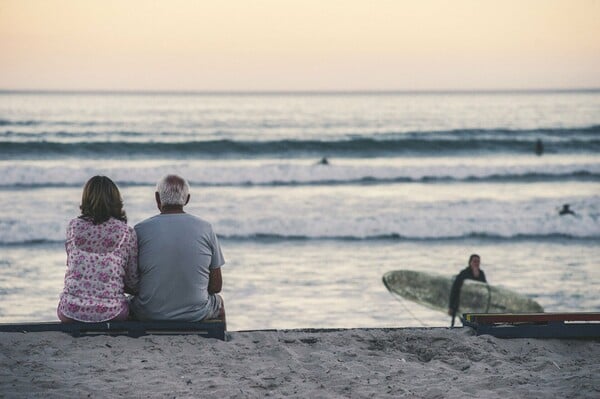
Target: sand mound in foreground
x,y
409,362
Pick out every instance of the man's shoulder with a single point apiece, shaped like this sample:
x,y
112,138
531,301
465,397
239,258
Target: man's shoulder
x,y
145,222
199,220
181,217
199,225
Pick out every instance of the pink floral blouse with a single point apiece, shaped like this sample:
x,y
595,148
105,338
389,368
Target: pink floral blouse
x,y
101,262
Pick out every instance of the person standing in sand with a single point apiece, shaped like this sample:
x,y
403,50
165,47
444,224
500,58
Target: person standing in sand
x,y
472,272
180,261
101,257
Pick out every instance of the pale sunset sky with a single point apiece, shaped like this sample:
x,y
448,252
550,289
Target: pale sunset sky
x,y
304,45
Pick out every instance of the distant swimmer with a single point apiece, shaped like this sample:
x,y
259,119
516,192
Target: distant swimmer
x,y
566,210
472,272
323,161
539,147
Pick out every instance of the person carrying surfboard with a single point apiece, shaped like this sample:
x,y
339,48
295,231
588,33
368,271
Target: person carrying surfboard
x,y
472,272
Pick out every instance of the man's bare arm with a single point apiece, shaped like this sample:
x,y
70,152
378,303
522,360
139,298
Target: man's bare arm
x,y
215,281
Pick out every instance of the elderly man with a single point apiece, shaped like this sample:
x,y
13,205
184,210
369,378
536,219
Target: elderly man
x,y
179,261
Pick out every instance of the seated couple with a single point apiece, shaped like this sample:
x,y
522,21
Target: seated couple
x,y
170,263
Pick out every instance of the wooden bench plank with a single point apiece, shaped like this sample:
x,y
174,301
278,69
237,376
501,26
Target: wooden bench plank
x,y
206,328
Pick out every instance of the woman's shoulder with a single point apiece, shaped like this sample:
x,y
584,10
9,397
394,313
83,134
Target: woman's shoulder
x,y
131,231
127,233
122,226
118,222
78,227
78,222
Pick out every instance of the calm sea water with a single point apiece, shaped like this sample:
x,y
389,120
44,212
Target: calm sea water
x,y
414,181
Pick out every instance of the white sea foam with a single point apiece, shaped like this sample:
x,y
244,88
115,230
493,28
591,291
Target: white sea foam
x,y
277,171
406,210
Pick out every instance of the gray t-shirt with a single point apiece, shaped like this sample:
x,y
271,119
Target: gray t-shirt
x,y
176,253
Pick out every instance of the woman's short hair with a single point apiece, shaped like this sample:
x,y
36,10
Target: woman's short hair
x,y
101,200
471,258
173,190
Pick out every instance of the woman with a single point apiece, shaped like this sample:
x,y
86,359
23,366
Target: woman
x,y
472,272
101,257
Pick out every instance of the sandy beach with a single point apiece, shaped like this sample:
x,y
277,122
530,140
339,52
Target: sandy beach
x,y
354,363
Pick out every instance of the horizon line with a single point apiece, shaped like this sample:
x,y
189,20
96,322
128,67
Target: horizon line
x,y
298,92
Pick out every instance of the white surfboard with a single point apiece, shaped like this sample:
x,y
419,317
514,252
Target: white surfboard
x,y
433,291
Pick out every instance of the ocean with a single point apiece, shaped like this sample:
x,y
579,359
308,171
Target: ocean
x,y
412,181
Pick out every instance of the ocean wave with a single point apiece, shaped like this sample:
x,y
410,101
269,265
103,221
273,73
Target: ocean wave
x,y
61,123
365,145
214,128
66,137
400,237
300,173
583,176
344,213
261,237
7,122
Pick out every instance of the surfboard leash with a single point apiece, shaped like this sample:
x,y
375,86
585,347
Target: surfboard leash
x,y
401,300
411,313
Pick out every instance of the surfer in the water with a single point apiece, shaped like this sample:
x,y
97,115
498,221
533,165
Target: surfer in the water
x,y
566,210
539,147
472,272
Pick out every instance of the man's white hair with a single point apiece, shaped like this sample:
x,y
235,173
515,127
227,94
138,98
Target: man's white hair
x,y
173,190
